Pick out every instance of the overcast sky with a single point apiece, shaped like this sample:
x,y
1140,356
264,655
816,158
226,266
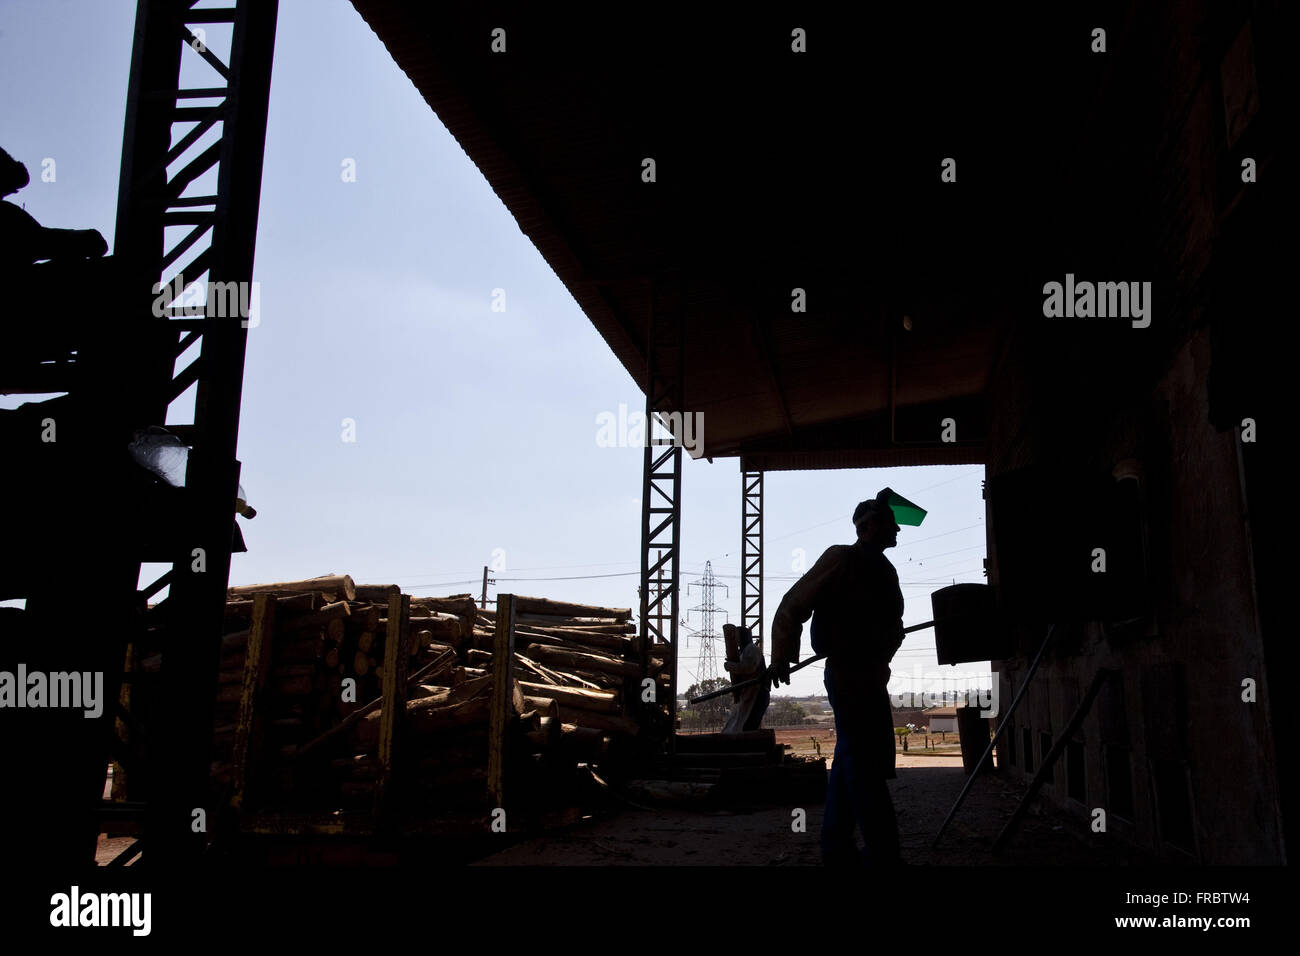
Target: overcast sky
x,y
475,430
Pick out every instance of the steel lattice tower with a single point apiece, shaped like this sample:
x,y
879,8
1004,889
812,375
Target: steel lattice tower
x,y
708,662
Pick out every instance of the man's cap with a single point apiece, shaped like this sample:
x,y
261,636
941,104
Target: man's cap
x,y
872,506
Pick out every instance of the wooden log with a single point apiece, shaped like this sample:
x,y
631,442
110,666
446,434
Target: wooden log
x,y
602,701
360,664
543,707
606,722
445,627
483,641
547,734
535,605
352,719
540,705
340,585
478,658
424,720
598,681
581,741
583,660
567,678
456,604
607,615
612,642
285,605
335,610
462,606
599,625
365,617
568,624
374,593
545,675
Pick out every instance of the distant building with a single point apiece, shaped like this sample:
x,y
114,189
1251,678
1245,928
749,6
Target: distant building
x,y
940,719
909,715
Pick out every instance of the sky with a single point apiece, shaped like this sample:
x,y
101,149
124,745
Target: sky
x,y
475,430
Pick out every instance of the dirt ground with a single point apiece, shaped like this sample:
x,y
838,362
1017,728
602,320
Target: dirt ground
x,y
927,785
923,794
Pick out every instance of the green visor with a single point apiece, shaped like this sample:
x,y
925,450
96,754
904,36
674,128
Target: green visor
x,y
904,511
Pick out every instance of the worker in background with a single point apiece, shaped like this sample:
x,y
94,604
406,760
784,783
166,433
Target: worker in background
x,y
34,289
853,597
24,241
749,704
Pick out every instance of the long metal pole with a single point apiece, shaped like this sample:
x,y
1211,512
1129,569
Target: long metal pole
x,y
961,797
802,664
1049,762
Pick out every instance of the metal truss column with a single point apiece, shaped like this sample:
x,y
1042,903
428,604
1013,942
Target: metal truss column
x,y
661,484
751,553
173,151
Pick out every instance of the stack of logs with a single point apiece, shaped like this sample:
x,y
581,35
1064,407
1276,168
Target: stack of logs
x,y
574,670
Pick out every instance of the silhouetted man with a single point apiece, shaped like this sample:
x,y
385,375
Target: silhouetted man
x,y
853,596
39,323
24,241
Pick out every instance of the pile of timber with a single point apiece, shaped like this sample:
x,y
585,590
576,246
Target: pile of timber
x,y
327,641
584,659
318,698
573,670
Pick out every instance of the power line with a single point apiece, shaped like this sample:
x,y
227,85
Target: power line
x,y
444,584
577,577
849,517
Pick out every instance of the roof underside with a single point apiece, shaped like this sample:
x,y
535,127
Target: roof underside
x,y
775,171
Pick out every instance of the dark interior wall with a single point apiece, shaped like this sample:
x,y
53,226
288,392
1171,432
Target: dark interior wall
x,y
1161,201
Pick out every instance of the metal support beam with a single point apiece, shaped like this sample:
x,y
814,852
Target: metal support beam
x,y
661,484
125,380
162,157
751,554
